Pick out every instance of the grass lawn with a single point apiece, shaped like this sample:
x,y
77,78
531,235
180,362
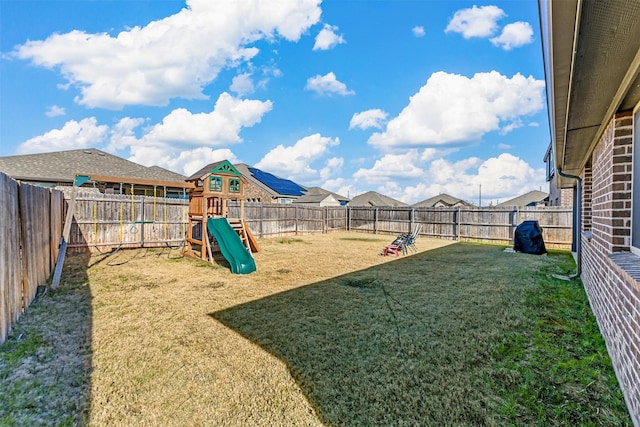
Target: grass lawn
x,y
326,332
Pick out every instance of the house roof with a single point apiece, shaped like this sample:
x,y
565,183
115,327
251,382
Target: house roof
x,y
444,198
317,192
274,185
315,198
531,198
205,170
592,68
222,166
162,174
62,166
372,198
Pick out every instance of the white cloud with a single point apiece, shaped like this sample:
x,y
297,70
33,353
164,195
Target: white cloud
x,y
499,178
242,84
295,161
340,186
392,166
327,85
516,124
190,161
173,57
514,35
73,135
418,31
451,108
219,127
332,167
55,111
476,21
374,118
185,162
122,134
169,144
327,38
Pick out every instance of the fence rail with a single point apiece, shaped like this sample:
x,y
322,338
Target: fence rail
x,y
32,219
496,225
104,222
31,227
109,221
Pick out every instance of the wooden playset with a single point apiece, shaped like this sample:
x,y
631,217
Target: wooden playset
x,y
209,199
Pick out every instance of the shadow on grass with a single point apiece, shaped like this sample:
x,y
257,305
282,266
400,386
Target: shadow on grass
x,y
45,364
410,342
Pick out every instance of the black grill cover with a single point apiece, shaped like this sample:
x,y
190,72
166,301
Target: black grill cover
x,y
528,238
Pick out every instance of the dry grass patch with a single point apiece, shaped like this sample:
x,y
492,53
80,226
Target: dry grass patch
x,y
325,332
159,358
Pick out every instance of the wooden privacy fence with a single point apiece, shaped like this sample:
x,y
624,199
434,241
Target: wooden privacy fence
x,y
106,221
31,227
32,219
491,224
496,225
271,219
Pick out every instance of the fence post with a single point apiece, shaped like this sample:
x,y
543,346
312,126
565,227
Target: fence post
x,y
142,220
325,219
411,219
296,208
261,221
347,218
458,220
375,221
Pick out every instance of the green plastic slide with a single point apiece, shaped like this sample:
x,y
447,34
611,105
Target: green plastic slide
x,y
233,250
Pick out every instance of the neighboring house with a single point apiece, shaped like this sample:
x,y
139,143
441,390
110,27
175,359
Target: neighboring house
x,y
265,187
219,180
532,198
373,199
557,196
442,201
268,188
320,197
592,67
113,174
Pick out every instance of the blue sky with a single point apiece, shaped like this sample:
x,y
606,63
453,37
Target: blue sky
x,y
407,98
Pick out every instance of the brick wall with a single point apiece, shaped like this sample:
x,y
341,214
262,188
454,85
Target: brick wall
x,y
608,267
587,197
611,186
254,193
566,197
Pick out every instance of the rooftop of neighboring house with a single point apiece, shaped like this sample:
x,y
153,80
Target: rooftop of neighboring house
x,y
274,185
372,198
63,166
317,195
532,198
441,200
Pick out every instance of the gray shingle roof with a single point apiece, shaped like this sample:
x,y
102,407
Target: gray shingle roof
x,y
446,199
162,174
528,199
313,198
371,198
62,166
316,192
205,170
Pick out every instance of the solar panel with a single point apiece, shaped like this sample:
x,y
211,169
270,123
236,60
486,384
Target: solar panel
x,y
279,185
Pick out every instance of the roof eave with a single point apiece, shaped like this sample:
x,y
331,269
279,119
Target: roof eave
x,y
587,81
